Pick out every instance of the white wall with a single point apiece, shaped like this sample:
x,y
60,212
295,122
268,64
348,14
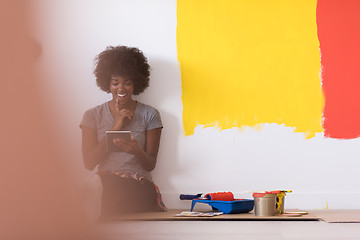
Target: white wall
x,y
320,171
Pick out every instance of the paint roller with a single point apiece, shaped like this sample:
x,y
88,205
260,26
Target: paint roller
x,y
220,196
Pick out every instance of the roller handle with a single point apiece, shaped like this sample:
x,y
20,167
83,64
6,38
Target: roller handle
x,y
189,196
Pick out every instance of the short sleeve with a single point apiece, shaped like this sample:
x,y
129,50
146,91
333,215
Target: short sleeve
x,y
154,119
89,119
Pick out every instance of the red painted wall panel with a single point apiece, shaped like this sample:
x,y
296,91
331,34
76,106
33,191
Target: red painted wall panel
x,y
338,24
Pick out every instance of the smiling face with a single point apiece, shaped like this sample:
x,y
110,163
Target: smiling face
x,y
121,89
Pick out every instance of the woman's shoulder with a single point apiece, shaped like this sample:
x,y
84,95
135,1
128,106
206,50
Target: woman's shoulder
x,y
150,115
97,109
94,115
147,109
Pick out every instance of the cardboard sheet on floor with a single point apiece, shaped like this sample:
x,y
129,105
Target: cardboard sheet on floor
x,y
338,216
169,216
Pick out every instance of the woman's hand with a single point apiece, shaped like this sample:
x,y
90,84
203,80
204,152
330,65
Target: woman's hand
x,y
131,146
146,157
121,117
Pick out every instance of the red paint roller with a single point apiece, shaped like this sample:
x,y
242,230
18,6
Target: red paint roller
x,y
222,196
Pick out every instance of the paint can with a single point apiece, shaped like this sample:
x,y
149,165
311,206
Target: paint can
x,y
280,202
265,204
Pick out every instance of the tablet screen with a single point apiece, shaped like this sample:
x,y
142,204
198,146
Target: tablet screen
x,y
111,135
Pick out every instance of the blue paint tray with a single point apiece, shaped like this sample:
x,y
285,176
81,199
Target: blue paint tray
x,y
236,206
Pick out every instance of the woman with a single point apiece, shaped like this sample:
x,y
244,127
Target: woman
x,y
125,175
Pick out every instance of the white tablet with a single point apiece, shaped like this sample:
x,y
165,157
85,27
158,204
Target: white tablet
x,y
111,135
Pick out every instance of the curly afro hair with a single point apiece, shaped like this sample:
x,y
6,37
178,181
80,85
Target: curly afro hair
x,y
127,62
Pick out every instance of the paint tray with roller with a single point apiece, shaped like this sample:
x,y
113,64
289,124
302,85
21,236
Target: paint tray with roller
x,y
225,202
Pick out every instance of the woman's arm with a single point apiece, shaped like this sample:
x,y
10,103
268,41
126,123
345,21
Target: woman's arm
x,y
93,151
147,157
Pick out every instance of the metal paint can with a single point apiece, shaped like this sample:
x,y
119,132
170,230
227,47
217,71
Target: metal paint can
x,y
280,202
265,204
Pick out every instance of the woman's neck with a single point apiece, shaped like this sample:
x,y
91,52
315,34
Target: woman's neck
x,y
130,105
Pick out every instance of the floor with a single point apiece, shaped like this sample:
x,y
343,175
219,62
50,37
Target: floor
x,y
224,230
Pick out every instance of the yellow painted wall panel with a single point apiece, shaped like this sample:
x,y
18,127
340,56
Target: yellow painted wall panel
x,y
250,62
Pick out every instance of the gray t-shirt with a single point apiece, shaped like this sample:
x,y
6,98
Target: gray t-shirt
x,y
145,118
